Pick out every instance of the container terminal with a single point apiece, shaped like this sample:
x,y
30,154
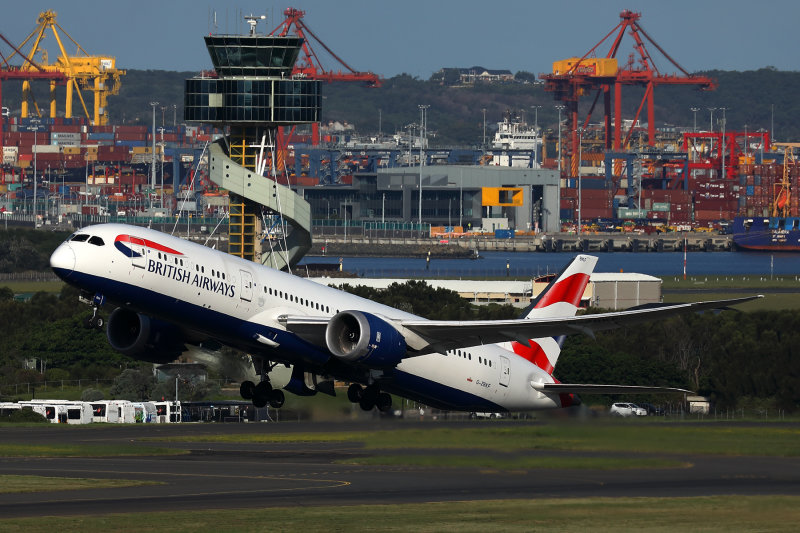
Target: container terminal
x,y
597,181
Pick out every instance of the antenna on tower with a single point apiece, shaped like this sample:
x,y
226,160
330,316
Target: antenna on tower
x,y
253,21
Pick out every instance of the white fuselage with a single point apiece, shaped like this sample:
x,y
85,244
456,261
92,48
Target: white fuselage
x,y
235,301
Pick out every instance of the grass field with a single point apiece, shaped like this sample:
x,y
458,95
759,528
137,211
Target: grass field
x,y
646,437
33,286
82,450
709,514
9,483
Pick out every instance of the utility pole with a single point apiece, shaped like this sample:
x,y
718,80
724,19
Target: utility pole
x,y
422,138
560,109
153,163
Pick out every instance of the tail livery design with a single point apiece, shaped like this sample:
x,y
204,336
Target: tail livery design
x,y
560,298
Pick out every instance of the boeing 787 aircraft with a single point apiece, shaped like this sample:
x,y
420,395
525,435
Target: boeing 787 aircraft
x,y
169,294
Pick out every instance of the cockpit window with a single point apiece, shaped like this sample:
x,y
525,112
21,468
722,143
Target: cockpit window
x,y
80,237
97,241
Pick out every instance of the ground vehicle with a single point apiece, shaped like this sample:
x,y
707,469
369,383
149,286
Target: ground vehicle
x,y
652,409
487,415
627,409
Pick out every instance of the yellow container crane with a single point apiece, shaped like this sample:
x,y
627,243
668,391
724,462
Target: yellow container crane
x,y
84,72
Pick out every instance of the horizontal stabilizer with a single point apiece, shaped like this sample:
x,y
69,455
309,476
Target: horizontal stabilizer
x,y
590,388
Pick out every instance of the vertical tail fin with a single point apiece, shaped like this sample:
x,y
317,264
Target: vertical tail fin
x,y
560,298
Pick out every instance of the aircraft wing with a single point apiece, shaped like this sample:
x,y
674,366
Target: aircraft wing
x,y
427,336
450,335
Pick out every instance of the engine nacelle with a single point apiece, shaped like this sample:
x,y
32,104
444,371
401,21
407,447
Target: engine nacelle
x,y
358,337
144,338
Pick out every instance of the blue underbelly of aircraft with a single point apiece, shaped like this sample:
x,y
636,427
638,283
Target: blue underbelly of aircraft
x,y
436,394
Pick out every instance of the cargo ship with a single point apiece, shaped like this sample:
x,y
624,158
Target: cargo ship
x,y
779,232
767,234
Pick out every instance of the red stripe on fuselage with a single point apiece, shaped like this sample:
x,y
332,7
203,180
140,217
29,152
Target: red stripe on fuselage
x,y
146,243
568,290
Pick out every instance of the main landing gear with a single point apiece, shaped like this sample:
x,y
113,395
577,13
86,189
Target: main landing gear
x,y
262,394
369,397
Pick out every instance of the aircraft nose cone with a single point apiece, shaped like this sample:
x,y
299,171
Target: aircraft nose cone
x,y
63,261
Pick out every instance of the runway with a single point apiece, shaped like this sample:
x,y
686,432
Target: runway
x,y
224,475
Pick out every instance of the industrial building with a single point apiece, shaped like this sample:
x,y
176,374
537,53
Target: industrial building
x,y
473,197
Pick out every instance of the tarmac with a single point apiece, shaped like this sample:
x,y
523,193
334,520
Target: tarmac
x,y
236,475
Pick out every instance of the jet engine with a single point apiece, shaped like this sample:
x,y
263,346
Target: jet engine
x,y
143,337
358,337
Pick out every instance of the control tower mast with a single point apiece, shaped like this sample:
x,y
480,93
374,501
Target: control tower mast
x,y
251,94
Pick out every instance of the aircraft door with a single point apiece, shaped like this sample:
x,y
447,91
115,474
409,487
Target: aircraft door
x,y
138,253
505,371
246,289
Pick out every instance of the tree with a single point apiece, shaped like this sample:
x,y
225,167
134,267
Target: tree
x,y
92,395
134,385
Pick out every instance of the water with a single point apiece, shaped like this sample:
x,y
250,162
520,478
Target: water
x,y
530,264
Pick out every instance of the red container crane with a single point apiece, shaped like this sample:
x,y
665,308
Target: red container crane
x,y
309,64
573,78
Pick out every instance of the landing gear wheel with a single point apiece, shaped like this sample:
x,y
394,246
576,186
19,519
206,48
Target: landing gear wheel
x,y
354,393
368,398
276,399
384,402
99,322
261,394
89,323
247,390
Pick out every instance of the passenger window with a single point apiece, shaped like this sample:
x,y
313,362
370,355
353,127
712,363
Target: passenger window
x,y
97,241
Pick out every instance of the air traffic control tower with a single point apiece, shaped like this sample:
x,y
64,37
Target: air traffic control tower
x,y
252,95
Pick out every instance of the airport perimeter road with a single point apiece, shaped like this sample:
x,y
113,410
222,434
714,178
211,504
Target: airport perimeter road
x,y
225,475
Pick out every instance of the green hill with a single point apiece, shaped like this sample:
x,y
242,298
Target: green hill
x,y
455,117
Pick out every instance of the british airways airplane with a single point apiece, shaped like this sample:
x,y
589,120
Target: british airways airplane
x,y
167,293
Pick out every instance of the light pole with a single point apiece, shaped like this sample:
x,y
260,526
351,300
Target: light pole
x,y
345,221
560,109
772,121
580,156
711,139
536,117
422,139
383,210
174,115
745,143
153,163
461,201
35,171
694,130
484,126
723,140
